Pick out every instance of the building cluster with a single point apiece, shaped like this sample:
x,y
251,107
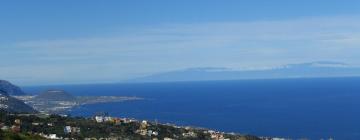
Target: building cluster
x,y
16,127
216,135
50,136
115,120
41,123
190,134
3,99
143,130
71,130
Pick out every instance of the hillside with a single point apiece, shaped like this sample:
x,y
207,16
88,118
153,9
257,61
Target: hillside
x,y
11,104
10,89
8,135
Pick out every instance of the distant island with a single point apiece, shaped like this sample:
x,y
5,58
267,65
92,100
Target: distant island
x,y
301,70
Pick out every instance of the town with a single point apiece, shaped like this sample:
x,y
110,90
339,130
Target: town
x,y
60,102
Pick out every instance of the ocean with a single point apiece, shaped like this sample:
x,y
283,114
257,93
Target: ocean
x,y
311,108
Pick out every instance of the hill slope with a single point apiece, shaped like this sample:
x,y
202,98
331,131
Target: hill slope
x,y
10,89
11,104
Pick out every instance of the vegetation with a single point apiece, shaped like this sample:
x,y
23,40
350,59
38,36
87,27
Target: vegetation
x,y
8,135
55,124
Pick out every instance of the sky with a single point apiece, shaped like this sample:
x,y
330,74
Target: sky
x,y
45,42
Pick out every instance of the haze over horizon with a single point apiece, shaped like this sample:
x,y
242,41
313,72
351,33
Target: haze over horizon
x,y
67,42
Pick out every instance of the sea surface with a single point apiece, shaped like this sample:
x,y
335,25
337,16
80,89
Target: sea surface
x,y
292,108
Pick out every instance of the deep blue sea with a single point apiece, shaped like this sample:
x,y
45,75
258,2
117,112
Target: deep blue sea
x,y
295,108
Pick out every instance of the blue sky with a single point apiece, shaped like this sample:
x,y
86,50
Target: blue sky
x,y
84,41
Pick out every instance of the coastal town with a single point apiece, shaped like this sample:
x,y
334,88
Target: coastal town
x,y
60,102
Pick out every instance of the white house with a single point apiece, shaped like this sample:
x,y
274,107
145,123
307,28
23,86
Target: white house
x,y
99,119
107,119
52,136
67,129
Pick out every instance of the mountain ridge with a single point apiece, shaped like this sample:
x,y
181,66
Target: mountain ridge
x,y
300,70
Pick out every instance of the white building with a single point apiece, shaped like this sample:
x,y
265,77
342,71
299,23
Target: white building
x,y
155,133
99,119
4,128
67,129
278,139
107,119
52,137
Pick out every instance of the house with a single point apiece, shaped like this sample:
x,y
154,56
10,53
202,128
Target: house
x,y
35,123
149,132
190,134
51,136
67,129
4,128
1,125
155,133
75,130
133,120
117,121
143,125
15,128
108,119
216,135
126,120
278,139
99,119
142,132
17,121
